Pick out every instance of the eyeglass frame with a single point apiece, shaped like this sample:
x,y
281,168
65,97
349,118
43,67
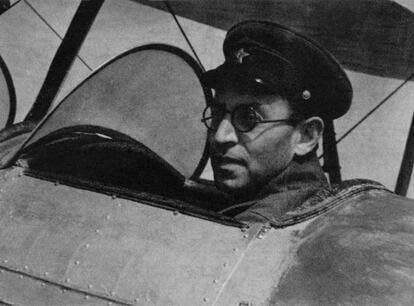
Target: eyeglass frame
x,y
290,121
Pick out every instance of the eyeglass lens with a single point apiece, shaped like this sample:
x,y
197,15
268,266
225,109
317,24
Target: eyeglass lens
x,y
243,118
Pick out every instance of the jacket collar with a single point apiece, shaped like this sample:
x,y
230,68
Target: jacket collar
x,y
301,179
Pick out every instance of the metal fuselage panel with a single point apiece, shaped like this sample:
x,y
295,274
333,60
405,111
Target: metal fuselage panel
x,y
114,250
270,255
359,253
108,247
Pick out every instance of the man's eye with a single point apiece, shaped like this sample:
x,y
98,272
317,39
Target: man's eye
x,y
250,115
245,115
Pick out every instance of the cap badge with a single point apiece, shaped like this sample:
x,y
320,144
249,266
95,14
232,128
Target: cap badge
x,y
240,54
306,94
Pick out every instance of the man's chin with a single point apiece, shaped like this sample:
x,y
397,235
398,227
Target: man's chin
x,y
231,178
230,185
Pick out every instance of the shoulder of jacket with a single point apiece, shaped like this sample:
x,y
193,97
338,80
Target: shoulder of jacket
x,y
329,198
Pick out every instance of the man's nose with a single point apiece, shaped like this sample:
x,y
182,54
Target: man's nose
x,y
225,133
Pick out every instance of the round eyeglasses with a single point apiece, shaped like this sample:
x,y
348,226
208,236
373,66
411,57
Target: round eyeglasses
x,y
244,117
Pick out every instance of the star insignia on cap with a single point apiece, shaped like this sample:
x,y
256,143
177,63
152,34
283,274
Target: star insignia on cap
x,y
240,54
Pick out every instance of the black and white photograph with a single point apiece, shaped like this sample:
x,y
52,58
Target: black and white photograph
x,y
206,152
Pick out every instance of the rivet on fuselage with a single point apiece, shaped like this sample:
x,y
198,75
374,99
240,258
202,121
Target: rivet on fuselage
x,y
109,303
260,236
42,285
225,264
86,297
77,262
5,261
205,299
235,250
113,293
137,300
21,276
46,273
97,231
215,281
113,196
87,246
108,217
246,236
90,286
56,183
67,280
26,267
175,212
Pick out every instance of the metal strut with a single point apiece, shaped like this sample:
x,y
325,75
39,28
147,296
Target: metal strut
x,y
375,108
330,154
62,61
407,163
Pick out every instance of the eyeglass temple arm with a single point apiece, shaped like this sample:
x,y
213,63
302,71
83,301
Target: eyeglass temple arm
x,y
280,120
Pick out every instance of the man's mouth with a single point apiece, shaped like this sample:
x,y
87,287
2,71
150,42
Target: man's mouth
x,y
226,160
226,167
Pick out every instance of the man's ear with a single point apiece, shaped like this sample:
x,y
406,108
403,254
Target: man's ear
x,y
310,132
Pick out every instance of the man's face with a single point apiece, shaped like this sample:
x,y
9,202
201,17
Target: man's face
x,y
244,162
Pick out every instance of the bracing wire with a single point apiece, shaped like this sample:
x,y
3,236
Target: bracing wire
x,y
43,19
375,108
167,4
372,111
53,30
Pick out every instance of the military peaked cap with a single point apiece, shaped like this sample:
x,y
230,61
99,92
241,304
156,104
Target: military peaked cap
x,y
287,63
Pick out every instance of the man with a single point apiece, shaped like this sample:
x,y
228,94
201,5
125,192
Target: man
x,y
272,95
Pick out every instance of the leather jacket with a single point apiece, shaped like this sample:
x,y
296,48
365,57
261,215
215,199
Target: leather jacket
x,y
300,192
